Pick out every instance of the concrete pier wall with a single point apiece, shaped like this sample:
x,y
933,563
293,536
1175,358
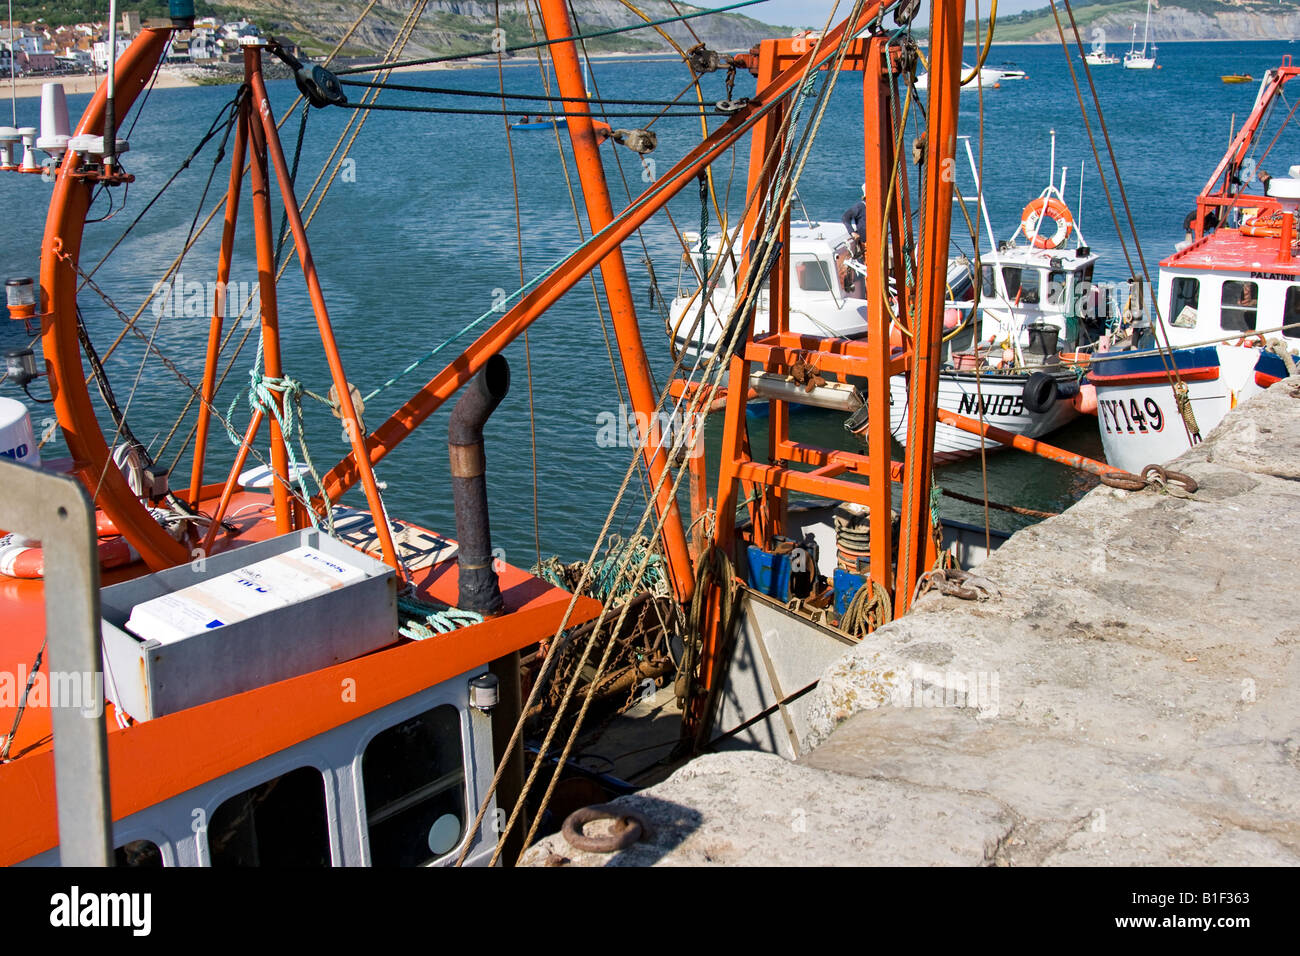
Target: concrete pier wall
x,y
1132,696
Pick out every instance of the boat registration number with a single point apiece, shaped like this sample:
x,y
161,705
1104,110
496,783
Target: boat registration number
x,y
991,405
1121,416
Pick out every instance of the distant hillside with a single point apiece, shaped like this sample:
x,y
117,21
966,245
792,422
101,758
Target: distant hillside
x,y
449,26
1170,20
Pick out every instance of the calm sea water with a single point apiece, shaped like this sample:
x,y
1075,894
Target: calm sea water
x,y
420,239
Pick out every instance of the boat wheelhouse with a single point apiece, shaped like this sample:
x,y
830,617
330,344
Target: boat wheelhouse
x,y
1037,300
820,302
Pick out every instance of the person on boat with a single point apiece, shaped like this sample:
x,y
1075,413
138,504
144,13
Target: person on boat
x,y
855,221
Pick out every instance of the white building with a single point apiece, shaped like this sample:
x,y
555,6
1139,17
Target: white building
x,y
100,54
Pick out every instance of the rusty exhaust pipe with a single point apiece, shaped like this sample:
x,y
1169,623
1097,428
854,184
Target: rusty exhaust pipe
x,y
479,589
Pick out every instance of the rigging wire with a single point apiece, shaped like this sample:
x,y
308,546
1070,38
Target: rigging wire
x,y
519,248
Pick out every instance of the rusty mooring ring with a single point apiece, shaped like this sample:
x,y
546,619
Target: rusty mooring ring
x,y
629,827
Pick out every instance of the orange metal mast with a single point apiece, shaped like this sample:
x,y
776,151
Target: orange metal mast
x,y
618,291
208,392
265,242
916,545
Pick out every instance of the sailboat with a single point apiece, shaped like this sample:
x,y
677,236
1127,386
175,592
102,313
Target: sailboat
x,y
1136,59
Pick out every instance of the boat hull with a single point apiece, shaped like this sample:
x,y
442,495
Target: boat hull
x,y
995,399
1137,412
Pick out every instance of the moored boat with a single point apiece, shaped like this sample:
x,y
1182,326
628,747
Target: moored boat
x,y
1224,297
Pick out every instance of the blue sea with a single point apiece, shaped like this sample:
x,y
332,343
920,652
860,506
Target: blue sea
x,y
417,239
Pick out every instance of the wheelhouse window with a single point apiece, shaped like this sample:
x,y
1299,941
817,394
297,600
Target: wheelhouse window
x,y
282,822
1058,288
1185,302
1291,313
138,854
694,268
414,777
1022,285
811,274
1239,306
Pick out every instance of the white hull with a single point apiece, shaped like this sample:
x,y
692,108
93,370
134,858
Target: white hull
x,y
1002,401
1140,63
1140,424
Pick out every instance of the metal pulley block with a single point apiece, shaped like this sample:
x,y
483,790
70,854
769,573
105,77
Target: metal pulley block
x,y
905,11
317,84
320,86
918,151
638,140
732,106
703,60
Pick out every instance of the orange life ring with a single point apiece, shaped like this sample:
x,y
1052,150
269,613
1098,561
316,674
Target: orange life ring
x,y
1264,226
23,558
1051,209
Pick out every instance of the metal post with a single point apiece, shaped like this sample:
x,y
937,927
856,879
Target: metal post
x,y
219,307
57,511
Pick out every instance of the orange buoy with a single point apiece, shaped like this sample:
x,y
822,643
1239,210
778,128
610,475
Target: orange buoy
x,y
1262,225
1052,209
24,558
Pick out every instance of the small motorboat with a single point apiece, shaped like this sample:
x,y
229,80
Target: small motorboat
x,y
1238,78
542,122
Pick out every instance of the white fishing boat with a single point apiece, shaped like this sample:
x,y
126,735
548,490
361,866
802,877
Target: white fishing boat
x,y
1135,58
1098,56
1227,316
1033,306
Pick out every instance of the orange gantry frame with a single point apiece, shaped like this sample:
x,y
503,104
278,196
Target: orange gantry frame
x,y
920,306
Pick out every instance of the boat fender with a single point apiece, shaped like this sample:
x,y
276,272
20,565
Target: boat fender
x,y
1040,392
1085,403
951,319
1052,209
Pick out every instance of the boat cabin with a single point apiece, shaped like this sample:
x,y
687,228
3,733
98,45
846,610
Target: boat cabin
x,y
822,302
1023,286
1229,283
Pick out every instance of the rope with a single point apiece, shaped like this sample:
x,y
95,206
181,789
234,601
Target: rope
x,y
738,326
421,620
869,610
262,394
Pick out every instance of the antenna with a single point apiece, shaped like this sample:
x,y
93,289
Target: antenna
x,y
1051,166
110,118
13,65
1078,220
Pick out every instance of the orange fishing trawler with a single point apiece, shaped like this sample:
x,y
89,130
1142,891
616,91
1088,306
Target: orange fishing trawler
x,y
268,677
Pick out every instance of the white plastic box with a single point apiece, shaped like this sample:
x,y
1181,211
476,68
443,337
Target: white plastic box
x,y
252,616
